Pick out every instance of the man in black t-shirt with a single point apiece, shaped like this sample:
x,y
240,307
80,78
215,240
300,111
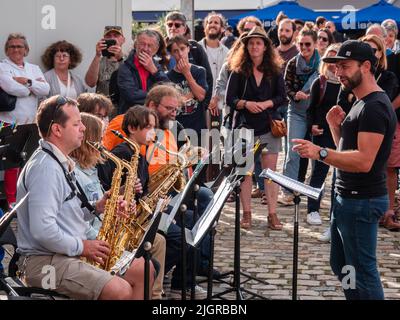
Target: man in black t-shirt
x,y
363,139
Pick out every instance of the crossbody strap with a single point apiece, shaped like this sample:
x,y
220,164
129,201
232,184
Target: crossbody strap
x,y
74,185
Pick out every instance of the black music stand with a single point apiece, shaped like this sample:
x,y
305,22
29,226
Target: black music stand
x,y
20,143
236,284
297,189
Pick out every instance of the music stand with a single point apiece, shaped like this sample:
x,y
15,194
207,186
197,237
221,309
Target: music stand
x,y
21,142
182,197
298,189
143,249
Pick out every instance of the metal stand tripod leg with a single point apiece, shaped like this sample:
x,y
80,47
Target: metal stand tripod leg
x,y
147,257
195,251
236,284
295,244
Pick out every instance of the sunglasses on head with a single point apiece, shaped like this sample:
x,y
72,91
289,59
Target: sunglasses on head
x,y
305,44
108,28
175,24
323,39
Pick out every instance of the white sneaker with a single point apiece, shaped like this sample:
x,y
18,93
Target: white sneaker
x,y
313,218
326,236
200,293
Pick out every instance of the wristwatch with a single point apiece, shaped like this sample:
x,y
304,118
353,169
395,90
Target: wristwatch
x,y
29,83
323,153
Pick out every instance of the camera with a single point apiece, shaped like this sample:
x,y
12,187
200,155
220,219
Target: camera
x,y
109,43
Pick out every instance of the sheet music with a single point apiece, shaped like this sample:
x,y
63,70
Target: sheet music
x,y
196,234
292,184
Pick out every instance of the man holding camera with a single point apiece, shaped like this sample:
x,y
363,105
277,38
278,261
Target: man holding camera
x,y
108,58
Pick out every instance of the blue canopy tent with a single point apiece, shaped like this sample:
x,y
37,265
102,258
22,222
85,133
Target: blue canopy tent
x,y
268,15
376,13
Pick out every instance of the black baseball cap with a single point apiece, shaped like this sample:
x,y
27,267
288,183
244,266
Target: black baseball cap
x,y
353,50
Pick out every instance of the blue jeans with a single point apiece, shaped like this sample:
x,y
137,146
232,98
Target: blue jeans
x,y
283,111
354,232
173,237
297,129
257,172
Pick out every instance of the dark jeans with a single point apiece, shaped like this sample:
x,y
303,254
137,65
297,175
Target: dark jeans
x,y
174,247
320,170
257,172
353,245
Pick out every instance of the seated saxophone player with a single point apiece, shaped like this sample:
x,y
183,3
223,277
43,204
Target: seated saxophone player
x,y
138,125
52,223
165,101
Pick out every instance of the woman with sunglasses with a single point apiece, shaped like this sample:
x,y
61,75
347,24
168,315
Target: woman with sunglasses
x,y
300,73
325,39
59,58
387,80
323,96
255,90
25,81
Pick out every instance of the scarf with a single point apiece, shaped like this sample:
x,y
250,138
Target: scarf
x,y
303,69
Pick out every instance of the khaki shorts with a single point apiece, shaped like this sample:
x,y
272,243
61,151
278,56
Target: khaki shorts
x,y
274,145
73,277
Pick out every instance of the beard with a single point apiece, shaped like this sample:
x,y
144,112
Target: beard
x,y
214,36
285,41
353,82
163,123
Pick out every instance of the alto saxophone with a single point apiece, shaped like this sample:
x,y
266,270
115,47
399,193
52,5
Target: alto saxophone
x,y
168,177
113,228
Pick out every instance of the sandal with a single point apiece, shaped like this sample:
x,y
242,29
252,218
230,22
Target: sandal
x,y
273,222
264,199
232,197
256,193
245,223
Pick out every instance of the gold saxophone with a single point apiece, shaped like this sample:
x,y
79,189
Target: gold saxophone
x,y
114,228
167,177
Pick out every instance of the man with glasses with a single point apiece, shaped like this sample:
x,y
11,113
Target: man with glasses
x,y
140,71
52,222
102,67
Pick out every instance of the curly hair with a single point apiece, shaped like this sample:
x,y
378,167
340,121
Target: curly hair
x,y
61,46
241,62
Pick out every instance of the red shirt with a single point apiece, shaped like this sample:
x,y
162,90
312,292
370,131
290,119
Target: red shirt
x,y
143,73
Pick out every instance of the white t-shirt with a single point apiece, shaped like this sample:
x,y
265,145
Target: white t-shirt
x,y
68,90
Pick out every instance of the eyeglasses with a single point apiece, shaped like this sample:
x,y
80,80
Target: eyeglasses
x,y
63,55
16,47
177,25
305,44
170,109
323,39
59,103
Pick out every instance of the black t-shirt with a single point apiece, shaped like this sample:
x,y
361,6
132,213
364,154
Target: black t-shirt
x,y
193,115
373,113
123,151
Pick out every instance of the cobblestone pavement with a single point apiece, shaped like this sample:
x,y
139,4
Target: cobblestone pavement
x,y
267,254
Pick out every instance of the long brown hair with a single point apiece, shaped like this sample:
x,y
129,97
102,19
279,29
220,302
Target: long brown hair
x,y
240,61
85,155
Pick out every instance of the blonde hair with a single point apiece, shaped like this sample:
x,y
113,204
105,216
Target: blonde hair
x,y
323,66
381,47
85,155
17,36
